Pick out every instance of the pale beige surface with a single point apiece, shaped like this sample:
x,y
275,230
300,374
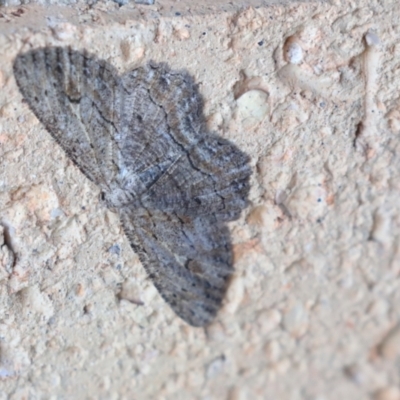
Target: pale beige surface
x,y
311,92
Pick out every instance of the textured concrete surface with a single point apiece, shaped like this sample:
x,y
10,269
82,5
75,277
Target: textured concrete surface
x,y
311,91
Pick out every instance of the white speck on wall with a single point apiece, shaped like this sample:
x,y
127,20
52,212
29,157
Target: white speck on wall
x,y
294,53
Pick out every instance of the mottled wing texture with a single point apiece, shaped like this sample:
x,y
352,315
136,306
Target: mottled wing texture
x,y
188,259
142,138
73,96
164,144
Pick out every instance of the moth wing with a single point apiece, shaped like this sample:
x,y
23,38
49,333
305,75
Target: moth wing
x,y
186,169
211,178
159,119
155,90
74,96
188,260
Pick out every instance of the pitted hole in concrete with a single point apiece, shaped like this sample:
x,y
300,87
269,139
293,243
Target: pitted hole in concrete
x,y
292,51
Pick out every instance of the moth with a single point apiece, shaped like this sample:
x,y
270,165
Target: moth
x,y
141,137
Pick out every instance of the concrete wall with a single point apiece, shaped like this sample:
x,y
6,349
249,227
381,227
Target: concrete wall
x,y
310,90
